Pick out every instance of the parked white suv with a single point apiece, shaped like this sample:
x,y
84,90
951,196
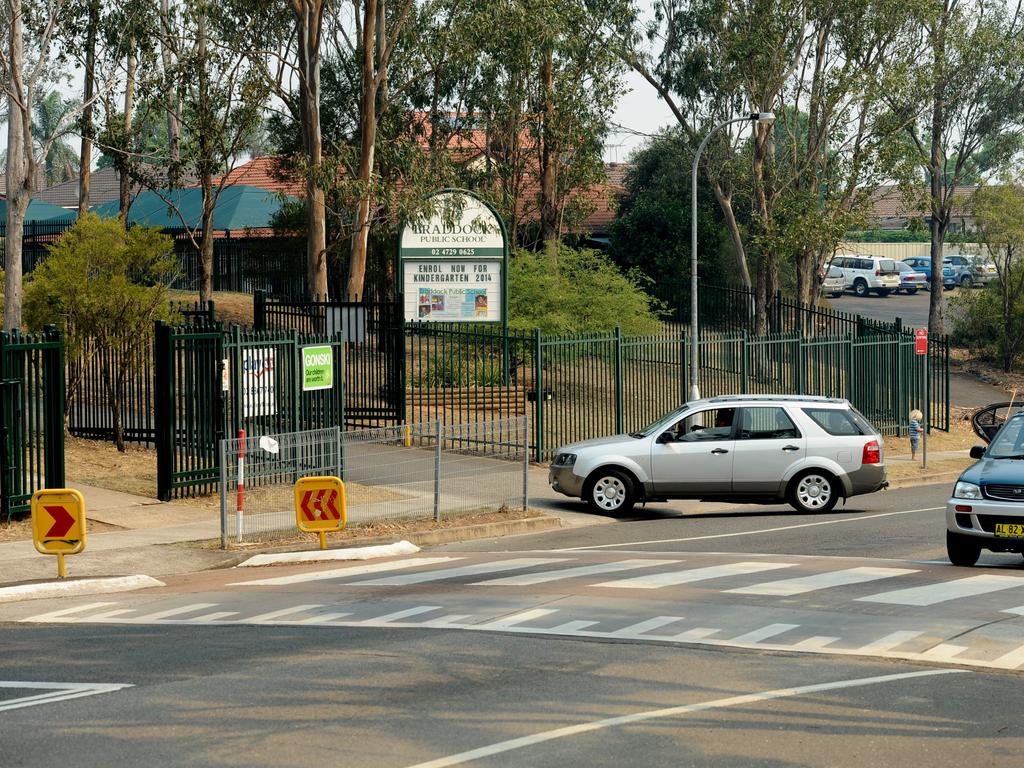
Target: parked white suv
x,y
864,274
807,451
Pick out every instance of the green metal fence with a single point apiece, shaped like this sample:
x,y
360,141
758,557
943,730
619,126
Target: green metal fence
x,y
588,385
210,384
31,417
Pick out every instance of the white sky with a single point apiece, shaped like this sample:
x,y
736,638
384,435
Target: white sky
x,y
639,111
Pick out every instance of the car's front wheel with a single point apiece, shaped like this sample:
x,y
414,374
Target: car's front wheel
x,y
962,550
609,491
883,292
813,491
967,282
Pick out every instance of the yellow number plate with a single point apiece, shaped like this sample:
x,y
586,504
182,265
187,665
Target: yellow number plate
x,y
1014,530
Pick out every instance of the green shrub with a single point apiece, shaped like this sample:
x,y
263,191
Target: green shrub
x,y
565,290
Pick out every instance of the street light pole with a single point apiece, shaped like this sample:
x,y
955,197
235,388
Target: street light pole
x,y
753,117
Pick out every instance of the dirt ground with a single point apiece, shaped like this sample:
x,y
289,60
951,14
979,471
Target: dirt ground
x,y
21,530
97,463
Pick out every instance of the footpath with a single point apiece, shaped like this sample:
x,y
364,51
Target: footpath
x,y
143,536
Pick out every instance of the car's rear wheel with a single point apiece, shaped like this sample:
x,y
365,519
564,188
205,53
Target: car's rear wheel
x,y
837,295
967,282
860,287
813,491
911,291
609,491
962,550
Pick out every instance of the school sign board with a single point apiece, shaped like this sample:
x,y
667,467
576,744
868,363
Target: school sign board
x,y
453,260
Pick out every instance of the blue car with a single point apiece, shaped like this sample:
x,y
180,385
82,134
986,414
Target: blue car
x,y
924,264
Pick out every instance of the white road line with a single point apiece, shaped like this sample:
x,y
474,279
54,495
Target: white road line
x,y
787,587
274,615
323,618
455,573
1016,611
816,643
171,612
888,642
530,579
671,578
109,614
756,636
1011,660
64,613
573,626
646,626
451,618
215,616
520,618
341,573
55,692
948,590
857,519
943,652
389,617
695,635
733,701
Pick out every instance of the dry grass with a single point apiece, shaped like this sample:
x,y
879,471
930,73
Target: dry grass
x,y
959,438
98,463
905,470
230,308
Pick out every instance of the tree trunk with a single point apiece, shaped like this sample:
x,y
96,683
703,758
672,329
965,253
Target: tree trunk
x,y
125,184
309,22
368,136
20,171
725,203
205,125
166,54
85,156
548,154
939,205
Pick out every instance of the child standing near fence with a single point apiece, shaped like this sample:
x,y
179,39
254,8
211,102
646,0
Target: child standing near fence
x,y
915,432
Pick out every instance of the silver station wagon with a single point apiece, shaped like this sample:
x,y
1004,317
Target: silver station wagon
x,y
806,451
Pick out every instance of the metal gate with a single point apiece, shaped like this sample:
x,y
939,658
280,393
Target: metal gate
x,y
210,383
374,349
31,417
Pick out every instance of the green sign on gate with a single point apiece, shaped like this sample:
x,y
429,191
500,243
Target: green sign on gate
x,y
317,368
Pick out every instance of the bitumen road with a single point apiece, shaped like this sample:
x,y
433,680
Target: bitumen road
x,y
736,637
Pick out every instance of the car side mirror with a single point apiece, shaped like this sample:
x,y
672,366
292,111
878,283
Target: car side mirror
x,y
977,451
667,437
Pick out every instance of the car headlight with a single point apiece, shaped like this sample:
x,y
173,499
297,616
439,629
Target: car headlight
x,y
966,491
565,459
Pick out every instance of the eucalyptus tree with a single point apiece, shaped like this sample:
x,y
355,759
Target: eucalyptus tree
x,y
27,64
967,98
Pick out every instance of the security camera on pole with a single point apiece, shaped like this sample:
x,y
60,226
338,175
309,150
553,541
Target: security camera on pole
x,y
754,117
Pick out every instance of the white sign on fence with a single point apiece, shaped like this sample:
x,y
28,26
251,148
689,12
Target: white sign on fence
x,y
258,382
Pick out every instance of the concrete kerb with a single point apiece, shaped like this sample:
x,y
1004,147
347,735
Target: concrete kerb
x,y
77,587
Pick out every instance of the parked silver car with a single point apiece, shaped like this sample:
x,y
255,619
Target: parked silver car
x,y
834,283
807,451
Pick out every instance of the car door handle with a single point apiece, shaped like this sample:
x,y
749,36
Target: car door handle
x,y
719,450
791,447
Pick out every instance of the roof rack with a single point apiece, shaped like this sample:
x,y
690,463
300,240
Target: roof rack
x,y
776,398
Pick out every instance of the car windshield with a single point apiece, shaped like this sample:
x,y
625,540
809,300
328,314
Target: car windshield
x,y
1009,441
661,424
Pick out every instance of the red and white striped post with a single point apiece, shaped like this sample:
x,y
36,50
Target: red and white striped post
x,y
240,491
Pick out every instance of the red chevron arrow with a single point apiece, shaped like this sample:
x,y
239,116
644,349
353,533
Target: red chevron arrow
x,y
63,521
330,505
305,506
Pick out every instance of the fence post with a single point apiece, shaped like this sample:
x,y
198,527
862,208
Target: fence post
x,y
745,363
437,470
222,447
538,400
53,404
619,384
526,462
798,364
259,310
163,408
